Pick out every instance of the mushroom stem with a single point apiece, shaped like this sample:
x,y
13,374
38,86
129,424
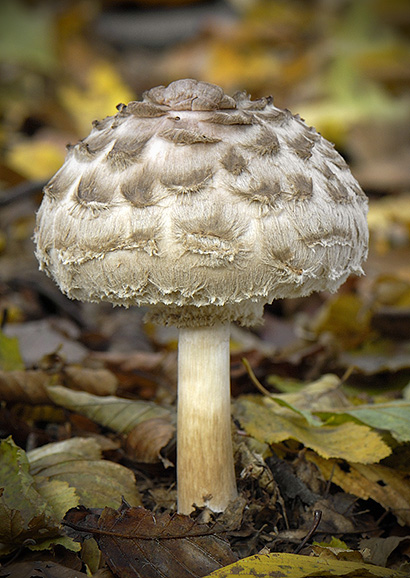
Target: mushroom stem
x,y
205,466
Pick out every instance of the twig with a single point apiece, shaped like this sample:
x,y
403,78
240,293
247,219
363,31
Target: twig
x,y
254,379
317,516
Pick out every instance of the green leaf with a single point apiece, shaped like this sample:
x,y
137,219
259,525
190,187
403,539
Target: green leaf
x,y
120,415
10,356
24,513
26,35
393,416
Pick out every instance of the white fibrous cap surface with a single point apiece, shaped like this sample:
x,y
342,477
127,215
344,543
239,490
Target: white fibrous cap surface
x,y
202,206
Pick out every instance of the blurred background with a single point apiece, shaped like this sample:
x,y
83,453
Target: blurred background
x,y
343,65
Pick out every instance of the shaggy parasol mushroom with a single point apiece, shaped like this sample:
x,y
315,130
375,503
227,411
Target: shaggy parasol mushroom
x,y
202,207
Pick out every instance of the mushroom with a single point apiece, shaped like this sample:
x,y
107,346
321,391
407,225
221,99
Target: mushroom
x,y
202,207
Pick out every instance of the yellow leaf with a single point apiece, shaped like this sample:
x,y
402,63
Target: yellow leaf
x,y
345,317
297,566
325,392
390,488
35,159
234,62
264,420
59,495
387,217
77,462
10,355
103,91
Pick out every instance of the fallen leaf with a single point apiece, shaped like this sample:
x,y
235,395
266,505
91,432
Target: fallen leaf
x,y
77,461
133,361
264,420
377,550
96,381
42,337
321,394
120,415
377,357
346,318
385,216
39,569
36,159
26,512
26,36
332,520
30,386
104,89
393,416
26,386
138,544
388,487
348,93
328,552
146,440
10,356
296,566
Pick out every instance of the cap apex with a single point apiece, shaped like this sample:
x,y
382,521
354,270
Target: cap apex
x,y
190,94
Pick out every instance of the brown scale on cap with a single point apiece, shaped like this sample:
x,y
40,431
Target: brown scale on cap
x,y
138,190
233,162
266,143
227,183
301,187
125,154
186,182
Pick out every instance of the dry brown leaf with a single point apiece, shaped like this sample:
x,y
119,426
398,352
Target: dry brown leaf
x,y
146,440
332,522
96,381
138,360
378,550
390,488
137,544
326,552
24,386
30,386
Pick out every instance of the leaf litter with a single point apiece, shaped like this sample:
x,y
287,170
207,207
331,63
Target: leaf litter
x,y
137,543
322,429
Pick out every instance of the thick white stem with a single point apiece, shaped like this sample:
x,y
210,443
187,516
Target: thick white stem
x,y
205,466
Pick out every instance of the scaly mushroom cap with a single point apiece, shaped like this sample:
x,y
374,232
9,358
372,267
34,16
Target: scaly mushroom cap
x,y
201,206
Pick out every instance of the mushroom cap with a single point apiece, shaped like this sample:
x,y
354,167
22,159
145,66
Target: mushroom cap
x,y
203,207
